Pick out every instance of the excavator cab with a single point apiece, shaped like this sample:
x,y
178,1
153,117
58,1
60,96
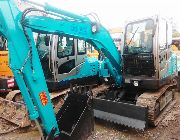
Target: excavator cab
x,y
61,57
147,60
69,54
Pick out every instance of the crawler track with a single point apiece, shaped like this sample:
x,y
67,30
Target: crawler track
x,y
158,103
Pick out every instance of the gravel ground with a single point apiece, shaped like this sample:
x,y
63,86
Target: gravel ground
x,y
168,129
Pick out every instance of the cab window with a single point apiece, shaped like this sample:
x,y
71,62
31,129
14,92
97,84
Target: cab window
x,y
81,47
42,44
139,37
65,46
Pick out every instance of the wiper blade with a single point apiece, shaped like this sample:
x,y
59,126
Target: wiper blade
x,y
133,36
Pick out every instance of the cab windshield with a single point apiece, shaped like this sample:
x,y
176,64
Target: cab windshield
x,y
139,37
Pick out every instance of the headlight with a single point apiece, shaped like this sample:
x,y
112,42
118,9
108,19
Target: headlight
x,y
94,28
136,83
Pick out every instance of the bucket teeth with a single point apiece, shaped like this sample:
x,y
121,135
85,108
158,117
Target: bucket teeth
x,y
121,113
121,120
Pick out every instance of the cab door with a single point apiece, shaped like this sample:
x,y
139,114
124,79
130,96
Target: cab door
x,y
64,57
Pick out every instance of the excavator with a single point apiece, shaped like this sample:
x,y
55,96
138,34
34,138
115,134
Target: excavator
x,y
148,72
141,82
74,119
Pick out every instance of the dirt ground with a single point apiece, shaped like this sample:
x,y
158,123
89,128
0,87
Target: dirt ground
x,y
168,129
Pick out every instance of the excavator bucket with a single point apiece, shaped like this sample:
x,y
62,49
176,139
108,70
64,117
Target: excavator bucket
x,y
121,113
76,118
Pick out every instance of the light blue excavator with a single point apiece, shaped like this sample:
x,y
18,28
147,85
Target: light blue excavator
x,y
148,70
74,119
